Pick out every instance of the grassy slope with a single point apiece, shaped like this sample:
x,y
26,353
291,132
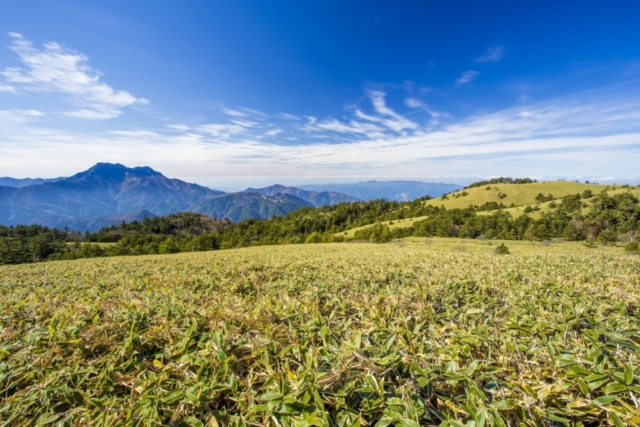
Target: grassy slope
x,y
546,206
518,194
398,223
522,195
188,338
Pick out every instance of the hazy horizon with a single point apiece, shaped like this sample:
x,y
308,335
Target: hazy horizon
x,y
240,183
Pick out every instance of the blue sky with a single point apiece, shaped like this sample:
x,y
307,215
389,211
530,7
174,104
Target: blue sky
x,y
232,94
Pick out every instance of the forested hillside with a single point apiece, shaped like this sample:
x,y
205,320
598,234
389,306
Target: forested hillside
x,y
609,216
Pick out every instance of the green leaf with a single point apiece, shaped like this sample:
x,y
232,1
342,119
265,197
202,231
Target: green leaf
x,y
616,420
268,397
557,418
503,405
604,400
583,387
193,421
172,397
384,422
628,375
481,417
613,388
47,418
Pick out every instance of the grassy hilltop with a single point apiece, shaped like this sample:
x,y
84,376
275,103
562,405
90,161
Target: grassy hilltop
x,y
514,198
518,194
411,334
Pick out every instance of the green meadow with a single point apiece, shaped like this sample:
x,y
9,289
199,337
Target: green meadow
x,y
416,332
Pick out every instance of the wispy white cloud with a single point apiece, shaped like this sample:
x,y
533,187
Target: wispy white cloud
x,y
397,121
58,69
287,116
231,112
416,103
222,130
178,127
273,132
7,89
363,125
93,114
413,103
467,77
594,133
244,123
494,54
255,112
18,116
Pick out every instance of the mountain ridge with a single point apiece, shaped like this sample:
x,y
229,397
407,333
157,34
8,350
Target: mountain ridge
x,y
101,191
243,205
109,193
7,181
316,198
388,190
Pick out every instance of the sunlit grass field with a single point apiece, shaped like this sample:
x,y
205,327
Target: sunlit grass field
x,y
411,333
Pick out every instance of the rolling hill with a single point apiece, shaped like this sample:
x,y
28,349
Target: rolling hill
x,y
514,194
517,199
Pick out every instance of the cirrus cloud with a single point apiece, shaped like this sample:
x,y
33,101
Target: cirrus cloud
x,y
467,77
58,69
494,54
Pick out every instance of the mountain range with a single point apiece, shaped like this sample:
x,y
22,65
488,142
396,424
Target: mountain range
x,y
108,194
390,190
315,198
6,181
103,191
240,206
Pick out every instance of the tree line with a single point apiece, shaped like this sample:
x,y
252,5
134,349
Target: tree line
x,y
602,218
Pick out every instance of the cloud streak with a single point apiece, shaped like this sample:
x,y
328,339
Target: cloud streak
x,y
494,54
58,69
467,77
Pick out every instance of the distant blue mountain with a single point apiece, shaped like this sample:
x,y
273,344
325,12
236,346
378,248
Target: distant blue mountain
x,y
108,194
389,190
102,194
240,206
24,182
316,198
